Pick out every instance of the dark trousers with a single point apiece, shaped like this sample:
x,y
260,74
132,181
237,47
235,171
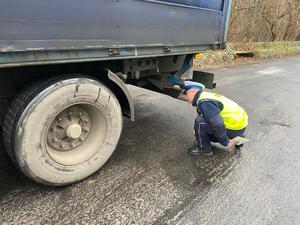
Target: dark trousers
x,y
204,133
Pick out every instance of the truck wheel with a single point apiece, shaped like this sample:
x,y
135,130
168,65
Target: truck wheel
x,y
61,131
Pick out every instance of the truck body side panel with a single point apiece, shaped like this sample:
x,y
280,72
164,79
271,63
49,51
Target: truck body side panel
x,y
60,31
56,24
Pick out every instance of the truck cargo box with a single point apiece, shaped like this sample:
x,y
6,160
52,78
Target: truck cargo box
x,y
46,31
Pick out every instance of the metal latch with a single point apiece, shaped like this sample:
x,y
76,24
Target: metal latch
x,y
166,49
113,51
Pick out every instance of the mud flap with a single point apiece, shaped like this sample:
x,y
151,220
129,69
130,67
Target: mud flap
x,y
205,78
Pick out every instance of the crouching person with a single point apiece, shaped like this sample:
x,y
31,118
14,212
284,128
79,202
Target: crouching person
x,y
219,119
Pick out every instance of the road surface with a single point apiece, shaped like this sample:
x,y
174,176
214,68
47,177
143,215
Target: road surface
x,y
152,180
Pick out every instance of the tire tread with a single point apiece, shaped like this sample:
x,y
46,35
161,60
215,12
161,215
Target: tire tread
x,y
16,108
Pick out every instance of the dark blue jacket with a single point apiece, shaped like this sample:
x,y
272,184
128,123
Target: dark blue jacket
x,y
210,110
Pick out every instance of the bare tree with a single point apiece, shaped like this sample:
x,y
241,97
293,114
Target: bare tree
x,y
265,20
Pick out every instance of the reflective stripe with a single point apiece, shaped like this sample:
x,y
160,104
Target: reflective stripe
x,y
234,116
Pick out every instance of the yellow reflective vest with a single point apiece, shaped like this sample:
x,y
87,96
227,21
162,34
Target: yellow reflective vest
x,y
234,116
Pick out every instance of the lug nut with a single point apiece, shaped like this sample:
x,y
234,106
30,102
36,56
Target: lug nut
x,y
86,130
81,139
54,139
62,146
72,145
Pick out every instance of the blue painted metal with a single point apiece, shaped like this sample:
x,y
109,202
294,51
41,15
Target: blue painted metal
x,y
60,31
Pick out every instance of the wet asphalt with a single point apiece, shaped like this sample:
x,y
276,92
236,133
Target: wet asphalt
x,y
151,179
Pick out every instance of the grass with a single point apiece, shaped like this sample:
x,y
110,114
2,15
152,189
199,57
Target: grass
x,y
276,49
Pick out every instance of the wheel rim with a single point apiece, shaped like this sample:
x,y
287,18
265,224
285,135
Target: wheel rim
x,y
76,133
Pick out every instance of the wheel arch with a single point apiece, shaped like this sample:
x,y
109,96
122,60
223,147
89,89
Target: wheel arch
x,y
118,87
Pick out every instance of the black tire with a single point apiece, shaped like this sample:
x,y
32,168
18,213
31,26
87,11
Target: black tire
x,y
94,124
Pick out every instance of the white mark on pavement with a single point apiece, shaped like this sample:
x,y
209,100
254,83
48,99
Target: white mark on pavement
x,y
270,71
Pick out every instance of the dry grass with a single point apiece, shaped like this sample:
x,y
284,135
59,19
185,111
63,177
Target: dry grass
x,y
262,51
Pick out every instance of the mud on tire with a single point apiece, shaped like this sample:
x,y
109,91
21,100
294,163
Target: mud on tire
x,y
63,130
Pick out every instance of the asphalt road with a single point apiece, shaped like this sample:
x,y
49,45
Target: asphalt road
x,y
152,180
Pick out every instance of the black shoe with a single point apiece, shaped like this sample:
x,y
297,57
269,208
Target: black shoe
x,y
196,151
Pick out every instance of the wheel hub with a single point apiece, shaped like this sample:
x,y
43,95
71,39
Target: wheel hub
x,y
69,129
74,131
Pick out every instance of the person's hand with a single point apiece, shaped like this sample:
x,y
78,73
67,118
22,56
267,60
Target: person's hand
x,y
231,145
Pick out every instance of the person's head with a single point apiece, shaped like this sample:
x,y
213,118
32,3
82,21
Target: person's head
x,y
191,89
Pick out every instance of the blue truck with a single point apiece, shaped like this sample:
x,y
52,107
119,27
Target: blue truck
x,y
64,66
